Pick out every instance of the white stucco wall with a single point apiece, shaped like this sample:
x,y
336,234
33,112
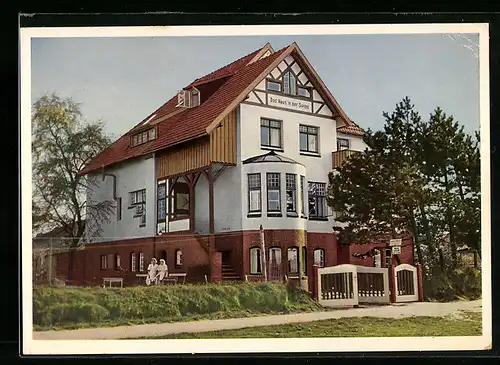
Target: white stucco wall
x,y
130,175
356,143
317,167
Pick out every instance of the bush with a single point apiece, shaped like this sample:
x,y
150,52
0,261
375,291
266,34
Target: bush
x,y
68,306
460,283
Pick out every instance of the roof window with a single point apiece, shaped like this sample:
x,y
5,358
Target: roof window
x,y
188,98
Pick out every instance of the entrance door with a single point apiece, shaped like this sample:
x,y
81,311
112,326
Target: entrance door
x,y
226,257
275,264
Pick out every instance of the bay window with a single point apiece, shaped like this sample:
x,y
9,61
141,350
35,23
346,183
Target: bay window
x,y
254,193
291,193
302,196
273,192
317,201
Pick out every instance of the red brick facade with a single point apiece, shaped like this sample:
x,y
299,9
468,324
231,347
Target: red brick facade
x,y
349,254
87,262
231,248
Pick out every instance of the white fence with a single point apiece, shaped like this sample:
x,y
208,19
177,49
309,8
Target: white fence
x,y
338,286
349,285
405,279
373,285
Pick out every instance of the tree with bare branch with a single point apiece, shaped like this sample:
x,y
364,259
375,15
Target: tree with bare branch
x,y
63,142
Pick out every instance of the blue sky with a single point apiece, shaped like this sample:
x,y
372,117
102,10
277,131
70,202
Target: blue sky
x,y
122,80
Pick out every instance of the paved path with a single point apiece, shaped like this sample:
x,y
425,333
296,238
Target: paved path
x,y
160,329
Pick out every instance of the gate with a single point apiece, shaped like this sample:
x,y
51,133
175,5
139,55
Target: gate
x,y
373,285
405,282
350,285
337,286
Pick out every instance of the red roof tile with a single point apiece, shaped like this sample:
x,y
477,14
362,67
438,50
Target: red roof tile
x,y
192,122
227,70
351,129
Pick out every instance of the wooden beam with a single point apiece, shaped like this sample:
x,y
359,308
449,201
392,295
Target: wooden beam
x,y
191,207
211,200
219,172
171,184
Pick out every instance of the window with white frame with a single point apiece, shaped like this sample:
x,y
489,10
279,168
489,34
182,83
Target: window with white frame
x,y
308,137
255,261
342,144
118,261
178,258
270,133
289,83
302,196
161,207
317,200
273,192
141,261
388,257
274,85
293,260
319,257
254,193
137,197
104,262
291,193
143,137
133,262
377,261
304,92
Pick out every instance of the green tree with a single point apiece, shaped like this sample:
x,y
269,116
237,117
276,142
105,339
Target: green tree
x,y
62,144
419,176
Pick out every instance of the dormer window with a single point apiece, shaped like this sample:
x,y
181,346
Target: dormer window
x,y
143,137
188,98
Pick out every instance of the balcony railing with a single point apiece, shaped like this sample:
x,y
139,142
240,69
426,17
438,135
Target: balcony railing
x,y
338,157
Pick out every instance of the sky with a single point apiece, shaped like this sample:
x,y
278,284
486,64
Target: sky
x,y
122,80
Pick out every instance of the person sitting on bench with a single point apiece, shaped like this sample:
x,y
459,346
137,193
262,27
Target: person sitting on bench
x,y
152,269
162,270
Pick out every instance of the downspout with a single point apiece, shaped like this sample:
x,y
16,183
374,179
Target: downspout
x,y
104,174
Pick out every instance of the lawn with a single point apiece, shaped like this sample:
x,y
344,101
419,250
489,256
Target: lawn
x,y
468,324
72,308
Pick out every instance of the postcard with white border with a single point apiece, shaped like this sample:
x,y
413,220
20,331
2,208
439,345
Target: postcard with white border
x,y
253,189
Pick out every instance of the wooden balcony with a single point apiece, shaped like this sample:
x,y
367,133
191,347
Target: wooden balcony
x,y
338,157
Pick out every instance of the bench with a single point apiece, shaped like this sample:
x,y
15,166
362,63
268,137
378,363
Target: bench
x,y
110,281
177,276
172,277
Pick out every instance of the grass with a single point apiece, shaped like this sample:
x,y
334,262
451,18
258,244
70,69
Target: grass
x,y
73,308
467,324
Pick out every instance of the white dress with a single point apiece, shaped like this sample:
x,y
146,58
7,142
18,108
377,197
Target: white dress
x,y
152,268
162,272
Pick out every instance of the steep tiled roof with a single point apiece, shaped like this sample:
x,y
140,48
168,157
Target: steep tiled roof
x,y
227,70
351,129
191,122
